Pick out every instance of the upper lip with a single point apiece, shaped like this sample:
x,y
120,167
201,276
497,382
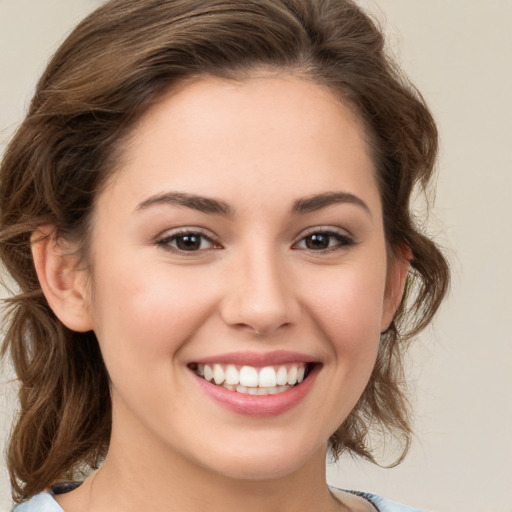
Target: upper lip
x,y
257,358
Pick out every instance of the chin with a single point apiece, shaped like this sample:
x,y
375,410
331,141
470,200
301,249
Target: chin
x,y
263,464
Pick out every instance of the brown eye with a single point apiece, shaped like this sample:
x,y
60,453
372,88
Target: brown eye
x,y
186,242
318,241
324,241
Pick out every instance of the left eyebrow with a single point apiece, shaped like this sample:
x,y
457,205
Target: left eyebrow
x,y
193,201
319,201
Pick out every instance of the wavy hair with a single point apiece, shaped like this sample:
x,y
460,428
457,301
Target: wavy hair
x,y
119,61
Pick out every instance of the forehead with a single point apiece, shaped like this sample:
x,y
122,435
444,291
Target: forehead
x,y
272,135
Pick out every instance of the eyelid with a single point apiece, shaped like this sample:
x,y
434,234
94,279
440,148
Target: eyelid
x,y
165,237
333,230
347,239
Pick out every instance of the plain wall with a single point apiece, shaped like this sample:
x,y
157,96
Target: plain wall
x,y
459,54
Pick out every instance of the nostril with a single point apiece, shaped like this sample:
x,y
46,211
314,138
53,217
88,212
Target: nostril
x,y
261,308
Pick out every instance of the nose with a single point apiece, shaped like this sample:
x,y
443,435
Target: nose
x,y
260,296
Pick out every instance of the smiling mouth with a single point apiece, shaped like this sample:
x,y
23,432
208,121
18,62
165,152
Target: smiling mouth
x,y
251,380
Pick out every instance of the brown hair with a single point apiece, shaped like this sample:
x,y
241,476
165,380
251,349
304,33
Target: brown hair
x,y
111,68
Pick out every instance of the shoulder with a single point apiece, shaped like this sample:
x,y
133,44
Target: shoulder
x,y
385,505
43,502
381,504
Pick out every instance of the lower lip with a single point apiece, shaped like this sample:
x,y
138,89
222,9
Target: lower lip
x,y
255,405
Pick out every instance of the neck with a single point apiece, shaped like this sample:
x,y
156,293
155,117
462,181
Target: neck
x,y
131,484
140,472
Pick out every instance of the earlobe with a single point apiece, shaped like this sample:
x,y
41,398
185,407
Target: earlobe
x,y
63,284
395,284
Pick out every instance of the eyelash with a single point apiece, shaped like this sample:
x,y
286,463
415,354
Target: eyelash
x,y
342,241
166,241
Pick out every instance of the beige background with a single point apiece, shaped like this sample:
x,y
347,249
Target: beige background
x,y
459,53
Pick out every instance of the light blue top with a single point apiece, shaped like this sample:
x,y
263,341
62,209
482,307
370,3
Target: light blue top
x,y
45,502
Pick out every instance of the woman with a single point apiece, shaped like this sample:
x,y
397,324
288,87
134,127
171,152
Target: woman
x,y
207,213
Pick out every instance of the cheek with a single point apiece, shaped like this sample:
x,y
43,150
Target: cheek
x,y
143,316
347,304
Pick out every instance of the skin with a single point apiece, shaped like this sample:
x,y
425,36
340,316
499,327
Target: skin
x,y
255,284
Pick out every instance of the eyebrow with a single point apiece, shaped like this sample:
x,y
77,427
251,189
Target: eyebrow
x,y
319,201
195,202
215,206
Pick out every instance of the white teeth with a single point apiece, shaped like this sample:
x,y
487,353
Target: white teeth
x,y
292,375
218,374
249,376
282,376
267,377
268,380
208,372
232,375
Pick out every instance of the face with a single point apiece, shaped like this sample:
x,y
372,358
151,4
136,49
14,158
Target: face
x,y
239,274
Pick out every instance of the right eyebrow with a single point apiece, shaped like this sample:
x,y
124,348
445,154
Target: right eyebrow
x,y
193,201
319,201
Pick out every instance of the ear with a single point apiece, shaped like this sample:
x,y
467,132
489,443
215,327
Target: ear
x,y
63,283
395,284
